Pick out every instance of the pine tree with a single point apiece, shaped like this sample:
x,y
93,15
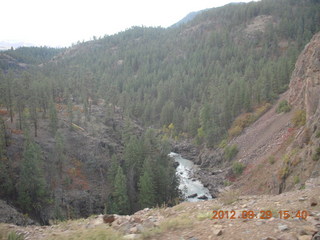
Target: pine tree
x,y
53,119
146,187
70,112
120,200
59,154
6,183
2,138
32,193
112,170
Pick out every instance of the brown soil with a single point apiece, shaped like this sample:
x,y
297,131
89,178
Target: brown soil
x,y
265,138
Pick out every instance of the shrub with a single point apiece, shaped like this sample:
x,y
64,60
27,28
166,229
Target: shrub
x,y
284,170
15,236
237,168
235,131
316,155
230,152
223,143
246,119
272,159
227,183
296,179
306,136
283,106
318,134
299,118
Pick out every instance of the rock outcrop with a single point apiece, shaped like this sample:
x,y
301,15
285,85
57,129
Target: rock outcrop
x,y
9,214
305,81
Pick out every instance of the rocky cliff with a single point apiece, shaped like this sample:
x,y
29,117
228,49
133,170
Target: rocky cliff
x,y
305,83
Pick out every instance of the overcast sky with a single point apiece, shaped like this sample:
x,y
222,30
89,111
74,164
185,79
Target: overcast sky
x,y
63,22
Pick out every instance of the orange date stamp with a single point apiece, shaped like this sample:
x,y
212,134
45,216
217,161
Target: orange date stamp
x,y
262,214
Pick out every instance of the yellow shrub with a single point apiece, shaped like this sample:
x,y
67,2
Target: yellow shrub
x,y
299,118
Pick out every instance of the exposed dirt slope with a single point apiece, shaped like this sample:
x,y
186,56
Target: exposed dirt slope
x,y
280,154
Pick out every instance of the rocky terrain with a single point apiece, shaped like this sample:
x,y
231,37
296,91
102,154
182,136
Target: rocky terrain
x,y
193,221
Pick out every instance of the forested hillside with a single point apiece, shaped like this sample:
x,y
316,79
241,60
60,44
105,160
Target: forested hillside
x,y
200,76
191,81
26,56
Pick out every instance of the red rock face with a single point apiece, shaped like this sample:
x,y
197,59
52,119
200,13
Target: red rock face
x,y
305,82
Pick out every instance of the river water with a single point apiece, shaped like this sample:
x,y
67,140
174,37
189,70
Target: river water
x,y
188,185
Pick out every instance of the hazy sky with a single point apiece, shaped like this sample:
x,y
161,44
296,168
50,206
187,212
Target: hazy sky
x,y
63,22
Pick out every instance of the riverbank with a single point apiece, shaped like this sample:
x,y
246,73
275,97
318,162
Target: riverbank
x,y
192,189
212,178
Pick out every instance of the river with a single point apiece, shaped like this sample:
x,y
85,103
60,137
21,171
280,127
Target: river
x,y
188,185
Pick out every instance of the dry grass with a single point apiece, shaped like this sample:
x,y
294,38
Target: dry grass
x,y
172,224
229,197
204,215
3,232
97,233
7,234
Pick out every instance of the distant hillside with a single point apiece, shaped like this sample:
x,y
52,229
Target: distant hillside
x,y
5,45
187,18
22,57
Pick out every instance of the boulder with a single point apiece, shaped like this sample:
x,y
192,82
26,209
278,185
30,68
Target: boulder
x,y
203,197
192,195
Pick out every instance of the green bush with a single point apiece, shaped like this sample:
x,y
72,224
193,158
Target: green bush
x,y
237,168
283,106
15,236
223,143
227,183
296,179
299,118
272,159
316,155
230,151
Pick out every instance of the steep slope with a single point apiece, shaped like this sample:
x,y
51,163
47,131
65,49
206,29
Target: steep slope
x,y
281,150
75,161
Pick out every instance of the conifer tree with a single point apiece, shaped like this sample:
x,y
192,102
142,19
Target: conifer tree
x,y
70,112
120,200
112,170
6,183
59,152
146,187
53,119
32,193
